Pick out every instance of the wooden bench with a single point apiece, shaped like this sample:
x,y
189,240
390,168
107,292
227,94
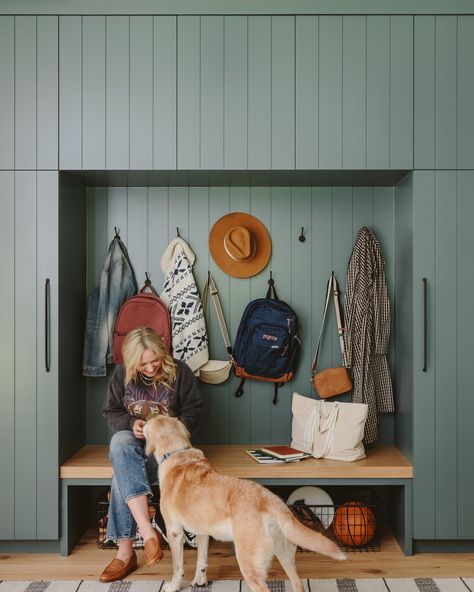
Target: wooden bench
x,y
384,465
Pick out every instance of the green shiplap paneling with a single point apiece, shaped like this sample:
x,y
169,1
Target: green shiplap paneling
x,y
445,92
117,92
341,250
465,330
259,393
147,219
384,222
164,92
403,319
141,92
25,315
235,92
259,92
306,92
7,363
330,92
98,237
25,92
188,136
280,265
47,92
218,399
424,92
301,278
70,92
71,389
157,226
7,91
321,266
378,92
283,92
354,99
93,92
424,383
465,74
137,244
446,354
401,92
47,382
212,92
240,200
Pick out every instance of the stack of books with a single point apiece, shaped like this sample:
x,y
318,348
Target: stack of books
x,y
277,454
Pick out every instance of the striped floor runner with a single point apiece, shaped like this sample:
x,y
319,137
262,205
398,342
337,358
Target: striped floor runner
x,y
346,585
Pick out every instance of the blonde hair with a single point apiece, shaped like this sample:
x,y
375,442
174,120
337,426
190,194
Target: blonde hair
x,y
133,347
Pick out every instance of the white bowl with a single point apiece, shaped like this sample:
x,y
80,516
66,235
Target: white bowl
x,y
315,496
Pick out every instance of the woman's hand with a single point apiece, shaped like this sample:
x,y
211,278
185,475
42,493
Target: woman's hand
x,y
138,429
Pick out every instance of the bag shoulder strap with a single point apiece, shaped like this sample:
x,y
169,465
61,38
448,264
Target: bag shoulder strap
x,y
212,289
332,287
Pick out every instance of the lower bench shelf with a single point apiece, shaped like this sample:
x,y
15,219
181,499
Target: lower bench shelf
x,y
385,466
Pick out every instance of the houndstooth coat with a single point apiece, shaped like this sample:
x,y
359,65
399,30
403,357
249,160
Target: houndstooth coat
x,y
367,330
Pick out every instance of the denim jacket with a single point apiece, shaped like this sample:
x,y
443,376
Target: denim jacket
x,y
117,283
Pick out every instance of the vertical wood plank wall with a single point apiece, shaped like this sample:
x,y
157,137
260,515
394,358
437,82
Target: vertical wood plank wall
x,y
331,217
235,92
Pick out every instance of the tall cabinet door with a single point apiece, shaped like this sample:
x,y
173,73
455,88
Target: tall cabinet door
x,y
28,393
435,361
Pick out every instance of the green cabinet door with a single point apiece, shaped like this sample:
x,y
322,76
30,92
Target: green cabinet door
x,y
442,434
28,390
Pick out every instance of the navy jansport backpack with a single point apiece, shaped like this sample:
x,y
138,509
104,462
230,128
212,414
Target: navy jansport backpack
x,y
267,344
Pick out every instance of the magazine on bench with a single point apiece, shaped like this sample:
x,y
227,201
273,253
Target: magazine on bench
x,y
268,459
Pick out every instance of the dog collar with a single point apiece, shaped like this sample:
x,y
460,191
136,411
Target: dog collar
x,y
168,454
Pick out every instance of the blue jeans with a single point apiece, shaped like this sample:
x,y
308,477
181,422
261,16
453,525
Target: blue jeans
x,y
133,473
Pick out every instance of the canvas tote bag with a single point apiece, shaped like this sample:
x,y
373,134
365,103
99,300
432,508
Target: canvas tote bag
x,y
328,430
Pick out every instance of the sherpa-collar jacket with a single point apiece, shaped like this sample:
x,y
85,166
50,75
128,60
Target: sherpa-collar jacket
x,y
180,293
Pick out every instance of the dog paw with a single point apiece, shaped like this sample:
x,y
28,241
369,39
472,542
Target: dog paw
x,y
200,580
170,587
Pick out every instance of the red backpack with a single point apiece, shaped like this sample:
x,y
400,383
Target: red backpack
x,y
145,308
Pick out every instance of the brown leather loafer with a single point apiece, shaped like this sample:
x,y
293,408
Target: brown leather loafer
x,y
118,569
153,552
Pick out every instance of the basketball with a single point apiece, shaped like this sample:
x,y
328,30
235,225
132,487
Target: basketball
x,y
354,524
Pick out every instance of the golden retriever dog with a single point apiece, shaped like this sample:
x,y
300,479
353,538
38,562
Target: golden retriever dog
x,y
196,498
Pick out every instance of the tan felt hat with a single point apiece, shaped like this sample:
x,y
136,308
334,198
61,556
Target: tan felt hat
x,y
240,244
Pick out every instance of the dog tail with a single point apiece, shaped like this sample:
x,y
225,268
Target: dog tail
x,y
303,536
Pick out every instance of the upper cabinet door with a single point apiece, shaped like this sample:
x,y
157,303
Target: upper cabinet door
x,y
444,92
29,92
235,92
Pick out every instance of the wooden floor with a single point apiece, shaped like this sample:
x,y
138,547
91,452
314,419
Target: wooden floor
x,y
87,561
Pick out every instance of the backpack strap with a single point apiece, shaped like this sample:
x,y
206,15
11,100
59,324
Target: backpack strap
x,y
240,390
275,392
271,292
212,289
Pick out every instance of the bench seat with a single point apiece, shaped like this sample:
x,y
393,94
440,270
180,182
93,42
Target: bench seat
x,y
385,465
231,459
